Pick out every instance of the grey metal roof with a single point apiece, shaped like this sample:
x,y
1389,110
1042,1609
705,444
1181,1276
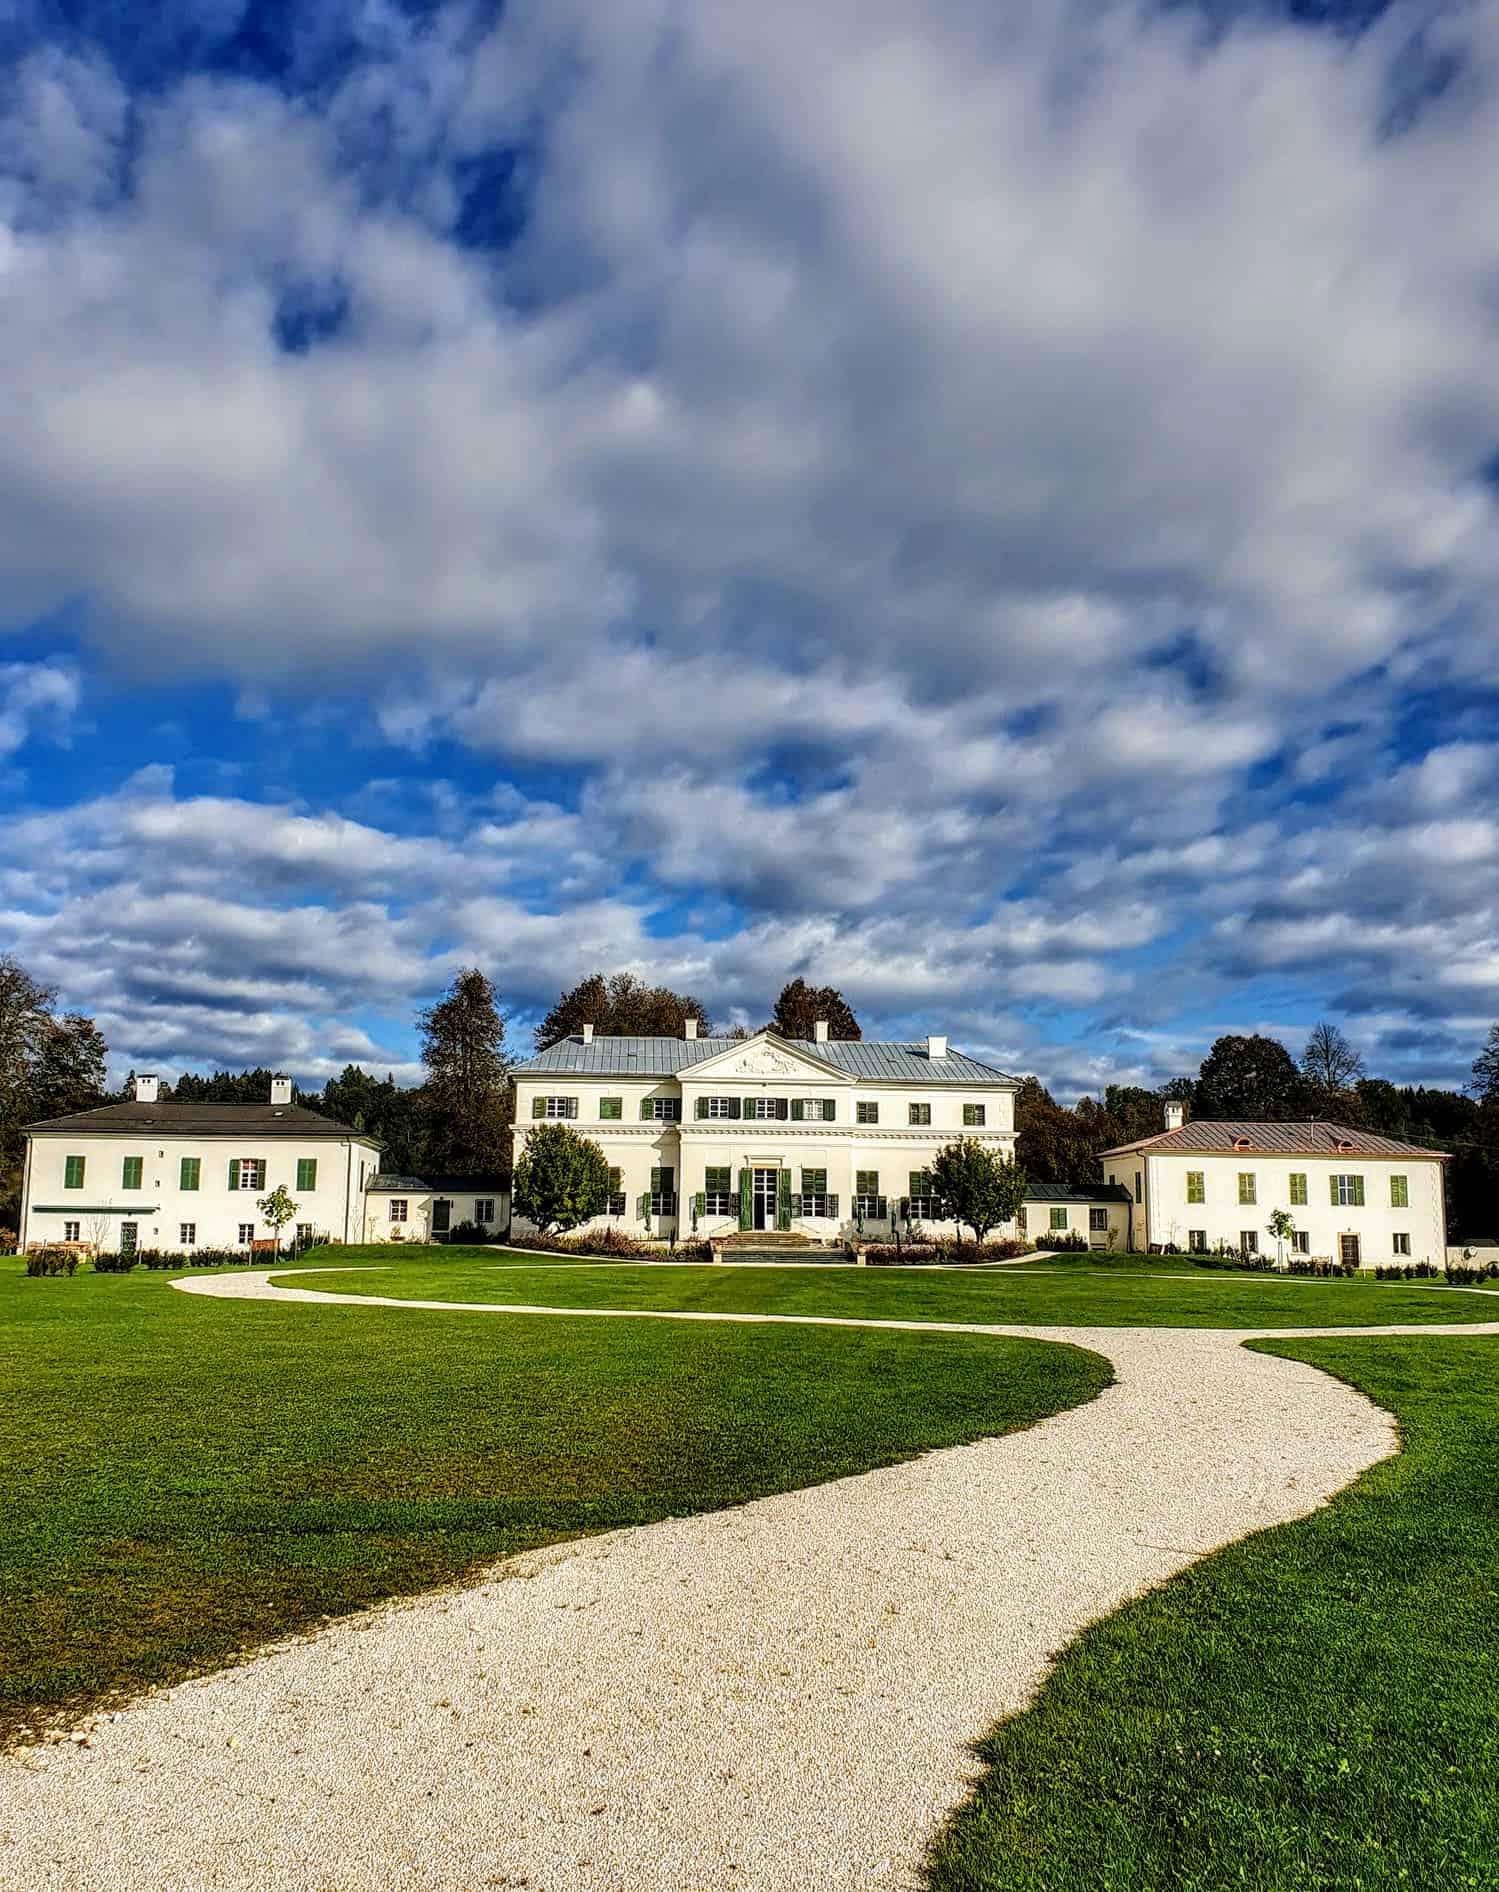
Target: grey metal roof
x,y
1313,1138
666,1057
474,1184
170,1119
1083,1192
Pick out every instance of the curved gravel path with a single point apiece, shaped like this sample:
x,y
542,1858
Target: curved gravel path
x,y
779,1696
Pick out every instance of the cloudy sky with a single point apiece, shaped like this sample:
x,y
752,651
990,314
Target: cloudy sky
x,y
992,507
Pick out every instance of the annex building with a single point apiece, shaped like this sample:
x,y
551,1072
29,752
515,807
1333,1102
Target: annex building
x,y
1354,1196
155,1174
813,1136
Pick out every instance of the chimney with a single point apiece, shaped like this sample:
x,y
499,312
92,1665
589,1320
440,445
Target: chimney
x,y
588,1034
1176,1113
145,1090
820,1032
690,1027
280,1089
936,1046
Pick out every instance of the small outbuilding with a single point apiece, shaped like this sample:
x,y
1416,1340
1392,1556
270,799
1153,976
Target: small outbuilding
x,y
1099,1212
429,1207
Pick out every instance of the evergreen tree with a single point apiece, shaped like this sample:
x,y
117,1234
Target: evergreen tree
x,y
801,1005
1486,1068
49,1066
467,1103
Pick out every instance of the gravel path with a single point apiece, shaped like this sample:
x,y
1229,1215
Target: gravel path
x,y
774,1697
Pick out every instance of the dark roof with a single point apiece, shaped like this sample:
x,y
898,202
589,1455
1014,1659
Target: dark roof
x,y
665,1057
1315,1138
207,1120
476,1184
1081,1192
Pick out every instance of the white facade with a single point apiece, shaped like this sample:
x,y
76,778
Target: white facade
x,y
182,1176
416,1209
710,1137
1352,1196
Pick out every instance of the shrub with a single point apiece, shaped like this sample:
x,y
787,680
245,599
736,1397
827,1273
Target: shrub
x,y
1061,1242
46,1261
605,1242
114,1264
7,1241
472,1234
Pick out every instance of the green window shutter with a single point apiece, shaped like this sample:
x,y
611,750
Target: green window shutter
x,y
783,1200
130,1172
868,1182
1246,1187
538,1106
700,1203
1196,1185
746,1199
798,1109
830,1109
1358,1192
234,1172
190,1172
749,1106
701,1109
308,1164
611,1108
657,1186
614,1182
644,1207
1059,1218
1332,1190
736,1106
1298,1188
783,1109
645,1110
73,1168
1400,1195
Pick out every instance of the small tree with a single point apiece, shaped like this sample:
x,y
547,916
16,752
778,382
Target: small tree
x,y
561,1178
1282,1226
979,1186
277,1209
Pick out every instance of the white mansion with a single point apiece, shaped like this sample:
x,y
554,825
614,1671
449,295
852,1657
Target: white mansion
x,y
709,1135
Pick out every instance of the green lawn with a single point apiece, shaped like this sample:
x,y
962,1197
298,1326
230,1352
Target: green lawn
x,y
1172,1295
183,1478
1311,1710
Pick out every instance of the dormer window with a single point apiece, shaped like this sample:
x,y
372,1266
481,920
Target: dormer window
x,y
1241,1143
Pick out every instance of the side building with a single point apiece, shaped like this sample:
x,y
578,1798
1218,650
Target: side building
x,y
813,1136
162,1175
1353,1196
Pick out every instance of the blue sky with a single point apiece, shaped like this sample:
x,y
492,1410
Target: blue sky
x,y
997,514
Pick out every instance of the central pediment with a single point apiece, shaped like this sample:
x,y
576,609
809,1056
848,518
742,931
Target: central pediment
x,y
766,1057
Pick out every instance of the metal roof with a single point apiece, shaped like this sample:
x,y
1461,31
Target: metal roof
x,y
862,1058
1313,1138
1082,1192
476,1184
171,1119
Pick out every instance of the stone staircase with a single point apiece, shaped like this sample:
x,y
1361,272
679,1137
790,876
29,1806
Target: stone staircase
x,y
772,1245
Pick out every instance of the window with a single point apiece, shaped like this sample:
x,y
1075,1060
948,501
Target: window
x,y
767,1107
1059,1217
1400,1194
72,1172
304,1235
815,1198
1298,1189
813,1109
611,1109
483,1208
307,1172
1248,1188
247,1172
718,1107
1098,1221
397,1210
554,1107
718,1195
190,1172
246,1234
1249,1240
1401,1244
1197,1241
867,1113
131,1171
1139,1184
663,1202
660,1109
920,1113
867,1198
924,1205
1347,1192
616,1193
1301,1242
1197,1185
973,1116
187,1234
72,1231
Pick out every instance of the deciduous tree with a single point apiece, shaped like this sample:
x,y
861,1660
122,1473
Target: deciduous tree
x,y
1252,1078
1332,1069
561,1178
1486,1068
801,1005
621,1007
978,1185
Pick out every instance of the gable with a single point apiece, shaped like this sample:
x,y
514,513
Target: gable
x,y
765,1056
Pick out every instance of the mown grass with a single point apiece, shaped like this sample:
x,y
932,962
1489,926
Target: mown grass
x,y
1311,1710
183,1478
1034,1295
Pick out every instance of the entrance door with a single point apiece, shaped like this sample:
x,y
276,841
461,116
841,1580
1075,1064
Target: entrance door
x,y
766,1181
442,1216
1348,1251
129,1237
